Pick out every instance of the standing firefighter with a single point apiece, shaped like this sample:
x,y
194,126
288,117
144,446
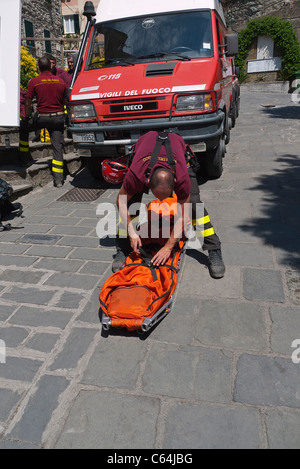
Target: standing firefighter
x,y
51,95
160,164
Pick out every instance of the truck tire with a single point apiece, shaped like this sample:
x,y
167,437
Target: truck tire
x,y
214,161
237,103
228,129
233,114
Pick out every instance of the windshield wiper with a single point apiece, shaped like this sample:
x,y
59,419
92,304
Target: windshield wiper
x,y
119,61
163,54
116,60
123,62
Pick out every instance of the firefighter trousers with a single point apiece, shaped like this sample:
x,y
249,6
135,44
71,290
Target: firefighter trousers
x,y
24,138
202,225
55,127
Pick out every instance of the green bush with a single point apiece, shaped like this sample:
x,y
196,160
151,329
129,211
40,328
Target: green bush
x,y
284,37
29,68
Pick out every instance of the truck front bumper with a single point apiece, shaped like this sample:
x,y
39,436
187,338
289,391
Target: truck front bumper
x,y
206,128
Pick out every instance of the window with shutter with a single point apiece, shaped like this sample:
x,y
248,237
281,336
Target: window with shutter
x,y
76,24
29,32
48,48
69,26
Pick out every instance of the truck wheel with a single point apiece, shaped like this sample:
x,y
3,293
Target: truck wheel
x,y
228,128
233,115
214,161
237,105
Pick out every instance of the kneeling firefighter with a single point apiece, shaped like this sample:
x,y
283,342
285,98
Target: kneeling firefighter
x,y
160,164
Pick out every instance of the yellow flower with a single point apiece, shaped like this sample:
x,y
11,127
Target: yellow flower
x,y
29,68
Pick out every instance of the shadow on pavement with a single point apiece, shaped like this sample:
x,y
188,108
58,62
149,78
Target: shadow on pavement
x,y
199,256
284,112
83,179
279,222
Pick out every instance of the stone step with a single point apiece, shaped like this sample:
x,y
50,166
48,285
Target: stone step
x,y
37,151
20,190
13,134
37,174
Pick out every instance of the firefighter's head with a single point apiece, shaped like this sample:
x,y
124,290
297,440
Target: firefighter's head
x,y
162,183
71,63
44,64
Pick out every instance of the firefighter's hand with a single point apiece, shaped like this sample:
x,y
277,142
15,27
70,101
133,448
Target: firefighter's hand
x,y
161,256
135,242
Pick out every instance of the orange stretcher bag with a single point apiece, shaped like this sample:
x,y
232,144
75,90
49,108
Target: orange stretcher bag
x,y
140,294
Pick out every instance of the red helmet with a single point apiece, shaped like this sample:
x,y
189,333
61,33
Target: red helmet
x,y
113,171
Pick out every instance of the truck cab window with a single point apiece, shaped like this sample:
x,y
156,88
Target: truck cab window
x,y
138,39
220,39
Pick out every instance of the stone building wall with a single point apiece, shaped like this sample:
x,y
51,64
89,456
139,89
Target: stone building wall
x,y
239,12
44,14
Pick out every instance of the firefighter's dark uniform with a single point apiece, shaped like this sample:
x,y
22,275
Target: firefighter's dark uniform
x,y
50,92
201,224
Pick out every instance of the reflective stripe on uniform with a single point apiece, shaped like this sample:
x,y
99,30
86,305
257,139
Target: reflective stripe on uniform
x,y
58,163
23,145
122,231
201,221
57,166
206,233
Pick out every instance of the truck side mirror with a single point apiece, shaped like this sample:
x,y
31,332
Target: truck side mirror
x,y
89,10
231,44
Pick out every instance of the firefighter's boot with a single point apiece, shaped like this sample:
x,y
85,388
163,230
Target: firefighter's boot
x,y
216,265
119,260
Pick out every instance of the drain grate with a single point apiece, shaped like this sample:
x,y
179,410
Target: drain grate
x,y
79,194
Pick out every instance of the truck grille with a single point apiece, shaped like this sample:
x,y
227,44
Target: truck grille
x,y
138,107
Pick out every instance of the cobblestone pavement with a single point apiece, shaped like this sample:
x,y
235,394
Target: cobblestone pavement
x,y
220,371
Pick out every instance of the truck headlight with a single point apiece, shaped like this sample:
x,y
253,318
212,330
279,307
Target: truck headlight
x,y
82,111
193,102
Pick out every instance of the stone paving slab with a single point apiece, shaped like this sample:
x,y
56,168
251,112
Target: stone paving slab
x,y
40,318
108,372
197,282
130,419
232,324
276,381
285,328
39,409
222,368
264,285
283,429
213,427
205,374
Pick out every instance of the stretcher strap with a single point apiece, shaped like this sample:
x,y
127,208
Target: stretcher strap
x,y
162,139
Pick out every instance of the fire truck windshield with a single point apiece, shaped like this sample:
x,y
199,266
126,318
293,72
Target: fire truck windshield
x,y
182,36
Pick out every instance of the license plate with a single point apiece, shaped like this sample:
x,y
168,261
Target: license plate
x,y
83,137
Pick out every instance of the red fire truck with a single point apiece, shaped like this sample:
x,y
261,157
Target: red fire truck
x,y
154,65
